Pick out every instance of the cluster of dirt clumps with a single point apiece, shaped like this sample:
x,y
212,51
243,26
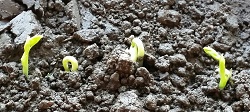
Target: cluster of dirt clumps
x,y
176,75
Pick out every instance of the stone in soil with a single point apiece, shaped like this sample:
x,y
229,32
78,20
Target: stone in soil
x,y
114,82
23,25
144,73
28,3
165,48
128,101
91,52
9,9
73,13
170,18
45,104
162,64
88,35
178,60
151,102
125,65
6,44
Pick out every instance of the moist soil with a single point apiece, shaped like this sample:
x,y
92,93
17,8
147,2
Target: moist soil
x,y
176,74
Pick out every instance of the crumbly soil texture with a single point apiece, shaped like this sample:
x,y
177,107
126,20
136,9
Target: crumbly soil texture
x,y
176,74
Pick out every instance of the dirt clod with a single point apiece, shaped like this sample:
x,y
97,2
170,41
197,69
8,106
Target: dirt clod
x,y
150,102
128,101
91,52
170,18
25,24
45,104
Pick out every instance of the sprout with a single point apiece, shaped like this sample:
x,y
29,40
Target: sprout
x,y
210,51
30,42
137,51
73,62
224,73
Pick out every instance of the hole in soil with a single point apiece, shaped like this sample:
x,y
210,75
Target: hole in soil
x,y
245,23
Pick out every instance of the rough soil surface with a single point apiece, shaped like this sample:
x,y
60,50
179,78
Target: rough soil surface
x,y
176,75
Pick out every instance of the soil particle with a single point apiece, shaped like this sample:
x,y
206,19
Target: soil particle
x,y
28,3
131,79
237,106
221,47
178,81
136,30
125,25
162,64
9,9
75,103
242,77
128,101
151,102
4,79
89,95
147,77
91,52
125,65
211,88
45,104
207,40
182,4
139,81
167,87
170,18
194,97
114,82
244,35
196,13
74,80
183,101
181,71
2,107
178,60
194,50
232,23
165,48
88,35
10,67
23,25
167,2
149,60
73,12
246,102
35,83
6,48
164,108
240,90
137,22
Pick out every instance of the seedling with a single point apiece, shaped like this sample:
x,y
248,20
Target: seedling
x,y
137,51
210,51
30,42
224,73
73,62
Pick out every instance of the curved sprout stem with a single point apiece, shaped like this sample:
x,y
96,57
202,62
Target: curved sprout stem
x,y
137,51
73,62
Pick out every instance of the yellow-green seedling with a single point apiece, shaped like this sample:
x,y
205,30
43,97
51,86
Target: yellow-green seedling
x,y
30,42
211,52
137,51
72,60
224,73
